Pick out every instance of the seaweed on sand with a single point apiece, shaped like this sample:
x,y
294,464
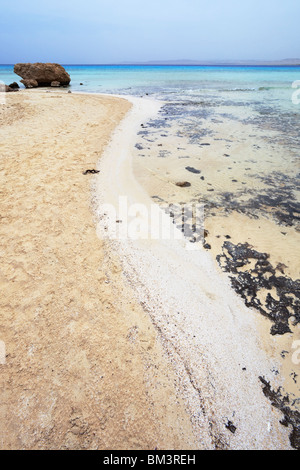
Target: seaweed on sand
x,y
282,403
259,281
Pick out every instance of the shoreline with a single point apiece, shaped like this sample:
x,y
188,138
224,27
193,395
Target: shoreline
x,y
162,275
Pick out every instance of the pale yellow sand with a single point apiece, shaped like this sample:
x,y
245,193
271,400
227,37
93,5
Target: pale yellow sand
x,y
83,368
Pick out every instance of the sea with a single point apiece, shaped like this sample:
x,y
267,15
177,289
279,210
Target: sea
x,y
230,136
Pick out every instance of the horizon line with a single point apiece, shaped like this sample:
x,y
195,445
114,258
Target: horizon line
x,y
158,64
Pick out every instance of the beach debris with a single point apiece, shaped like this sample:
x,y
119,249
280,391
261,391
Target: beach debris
x,y
230,426
93,172
183,184
193,170
43,73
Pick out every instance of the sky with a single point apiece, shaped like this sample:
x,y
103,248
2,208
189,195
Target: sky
x,y
118,31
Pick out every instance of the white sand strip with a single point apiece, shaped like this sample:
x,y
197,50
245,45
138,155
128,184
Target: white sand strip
x,y
211,338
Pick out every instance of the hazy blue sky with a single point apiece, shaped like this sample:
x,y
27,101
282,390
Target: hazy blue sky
x,y
114,31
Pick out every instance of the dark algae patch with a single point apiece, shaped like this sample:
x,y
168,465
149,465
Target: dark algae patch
x,y
283,403
260,281
278,200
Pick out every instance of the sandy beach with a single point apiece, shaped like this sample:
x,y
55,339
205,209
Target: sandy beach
x,y
115,344
84,368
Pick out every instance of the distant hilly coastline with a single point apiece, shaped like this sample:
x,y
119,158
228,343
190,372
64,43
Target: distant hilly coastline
x,y
284,62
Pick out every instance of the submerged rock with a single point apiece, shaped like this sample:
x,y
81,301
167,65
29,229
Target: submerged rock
x,y
183,184
193,170
43,73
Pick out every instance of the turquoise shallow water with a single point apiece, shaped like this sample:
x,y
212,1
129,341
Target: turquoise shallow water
x,y
268,84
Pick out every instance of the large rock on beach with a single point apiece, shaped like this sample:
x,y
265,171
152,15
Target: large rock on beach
x,y
44,74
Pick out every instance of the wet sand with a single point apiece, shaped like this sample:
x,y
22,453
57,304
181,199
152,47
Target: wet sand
x,y
84,367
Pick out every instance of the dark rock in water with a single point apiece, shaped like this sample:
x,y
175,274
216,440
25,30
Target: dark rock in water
x,y
80,83
192,170
183,184
139,146
43,73
29,83
14,85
